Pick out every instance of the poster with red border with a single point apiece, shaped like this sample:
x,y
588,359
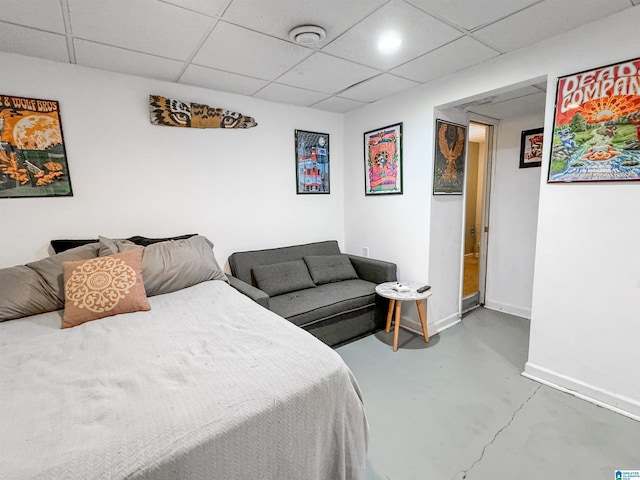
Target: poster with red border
x,y
33,160
596,128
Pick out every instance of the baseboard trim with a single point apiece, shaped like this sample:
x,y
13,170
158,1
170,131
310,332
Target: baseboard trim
x,y
603,398
524,312
433,328
448,322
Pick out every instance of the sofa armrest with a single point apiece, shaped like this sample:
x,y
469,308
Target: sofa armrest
x,y
376,271
250,291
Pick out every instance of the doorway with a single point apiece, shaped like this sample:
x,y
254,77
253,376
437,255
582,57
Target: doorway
x,y
476,214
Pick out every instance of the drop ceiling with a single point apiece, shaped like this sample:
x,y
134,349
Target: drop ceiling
x,y
243,46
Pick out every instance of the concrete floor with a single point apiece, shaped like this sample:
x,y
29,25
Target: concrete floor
x,y
458,408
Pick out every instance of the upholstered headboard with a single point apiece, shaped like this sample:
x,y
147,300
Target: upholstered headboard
x,y
62,245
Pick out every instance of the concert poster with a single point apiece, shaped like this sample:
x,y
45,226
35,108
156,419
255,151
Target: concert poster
x,y
596,128
33,160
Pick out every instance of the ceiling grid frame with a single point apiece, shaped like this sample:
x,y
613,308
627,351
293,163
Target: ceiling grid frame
x,y
133,41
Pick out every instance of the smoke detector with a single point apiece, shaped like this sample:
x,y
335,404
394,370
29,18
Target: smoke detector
x,y
307,35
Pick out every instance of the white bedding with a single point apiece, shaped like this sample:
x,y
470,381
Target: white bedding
x,y
206,385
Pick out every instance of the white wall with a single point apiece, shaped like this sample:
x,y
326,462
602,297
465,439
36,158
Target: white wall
x,y
237,187
446,244
513,221
586,291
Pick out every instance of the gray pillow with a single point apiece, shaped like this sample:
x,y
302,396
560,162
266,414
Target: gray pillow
x,y
24,292
109,246
279,278
177,264
50,268
330,268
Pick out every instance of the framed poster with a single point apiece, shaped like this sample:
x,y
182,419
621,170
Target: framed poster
x,y
596,126
33,160
531,148
448,161
383,160
312,162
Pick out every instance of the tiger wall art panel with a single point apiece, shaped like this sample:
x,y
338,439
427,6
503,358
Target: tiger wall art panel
x,y
174,113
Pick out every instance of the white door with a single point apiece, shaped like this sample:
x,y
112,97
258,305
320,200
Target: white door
x,y
476,211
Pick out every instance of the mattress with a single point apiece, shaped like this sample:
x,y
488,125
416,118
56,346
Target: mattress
x,y
205,385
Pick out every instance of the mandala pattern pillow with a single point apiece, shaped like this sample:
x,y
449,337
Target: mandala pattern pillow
x,y
103,286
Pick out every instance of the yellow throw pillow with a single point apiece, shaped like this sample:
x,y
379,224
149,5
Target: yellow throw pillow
x,y
103,286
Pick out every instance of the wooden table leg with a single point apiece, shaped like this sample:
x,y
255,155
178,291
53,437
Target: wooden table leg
x,y
397,325
389,315
423,319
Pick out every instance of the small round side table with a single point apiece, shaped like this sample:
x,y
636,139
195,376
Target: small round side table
x,y
395,300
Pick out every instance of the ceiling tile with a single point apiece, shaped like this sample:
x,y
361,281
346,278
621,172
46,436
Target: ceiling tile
x,y
117,59
318,73
223,81
43,14
420,33
147,26
550,18
338,105
453,57
208,7
292,95
471,15
238,50
33,43
335,16
378,87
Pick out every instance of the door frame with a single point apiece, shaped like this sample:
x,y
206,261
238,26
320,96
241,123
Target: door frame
x,y
489,175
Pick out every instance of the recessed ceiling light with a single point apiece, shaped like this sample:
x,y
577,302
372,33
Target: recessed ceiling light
x,y
307,35
389,42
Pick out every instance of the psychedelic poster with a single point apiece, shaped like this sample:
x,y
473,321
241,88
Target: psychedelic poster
x,y
33,161
449,158
383,160
596,129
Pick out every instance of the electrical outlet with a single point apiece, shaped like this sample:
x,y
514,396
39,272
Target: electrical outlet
x,y
365,252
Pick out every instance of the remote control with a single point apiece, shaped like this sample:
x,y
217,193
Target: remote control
x,y
423,289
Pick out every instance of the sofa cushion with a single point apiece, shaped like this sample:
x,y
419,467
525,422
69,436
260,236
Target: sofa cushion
x,y
330,268
306,306
242,263
283,277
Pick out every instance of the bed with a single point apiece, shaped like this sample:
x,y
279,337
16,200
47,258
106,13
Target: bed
x,y
205,385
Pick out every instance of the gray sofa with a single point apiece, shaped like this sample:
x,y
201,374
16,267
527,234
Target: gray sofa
x,y
314,286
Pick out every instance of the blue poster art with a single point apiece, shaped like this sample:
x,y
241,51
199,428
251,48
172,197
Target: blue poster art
x,y
312,162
